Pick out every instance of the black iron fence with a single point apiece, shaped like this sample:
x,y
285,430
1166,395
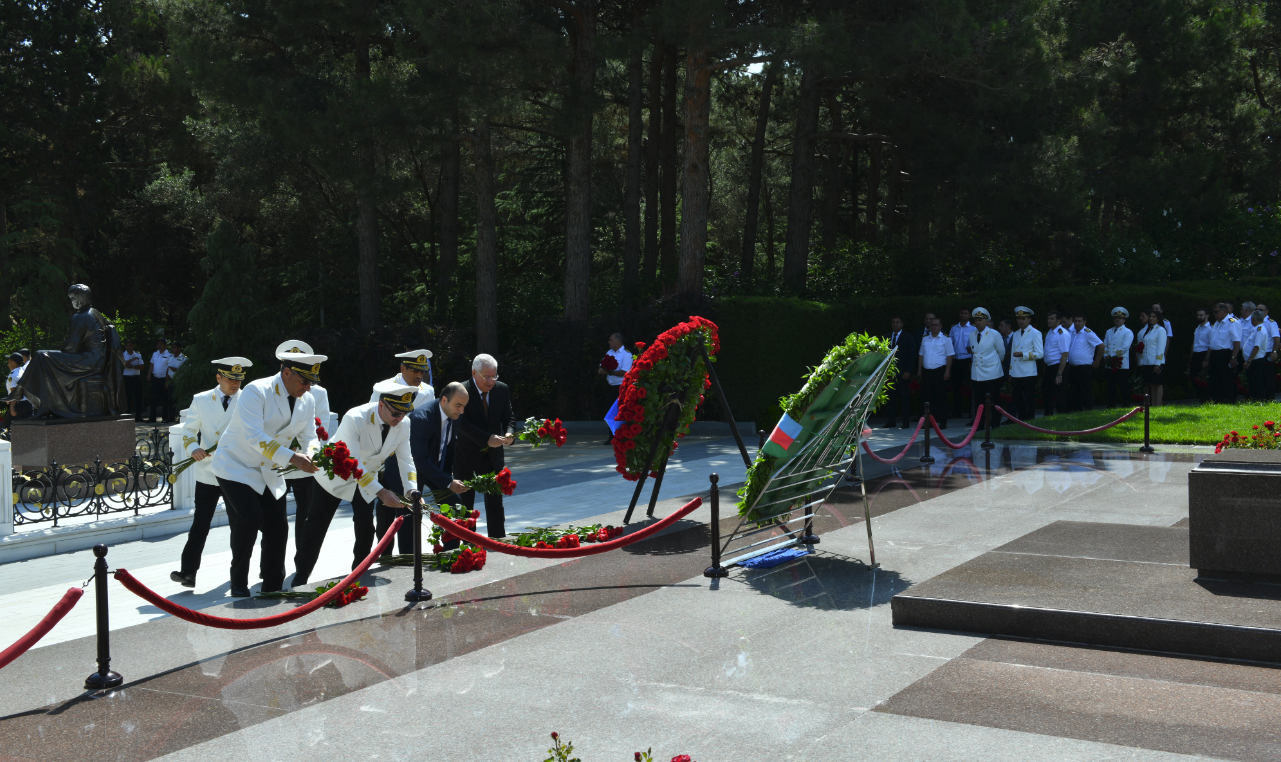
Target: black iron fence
x,y
58,492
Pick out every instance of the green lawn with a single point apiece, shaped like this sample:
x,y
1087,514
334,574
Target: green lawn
x,y
1171,424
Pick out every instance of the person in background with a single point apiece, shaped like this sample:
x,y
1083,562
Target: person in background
x,y
1028,347
133,380
176,361
1270,376
1255,341
1169,333
26,356
1083,357
1116,352
16,409
1225,348
158,379
1152,343
1200,352
1134,349
900,394
929,321
1006,329
986,373
934,366
1056,343
615,377
960,336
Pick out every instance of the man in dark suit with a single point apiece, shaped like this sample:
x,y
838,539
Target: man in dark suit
x,y
433,438
908,345
484,428
1007,341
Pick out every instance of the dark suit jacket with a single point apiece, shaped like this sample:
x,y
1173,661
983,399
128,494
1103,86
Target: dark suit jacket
x,y
909,346
424,441
475,428
1009,353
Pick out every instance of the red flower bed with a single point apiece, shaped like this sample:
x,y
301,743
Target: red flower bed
x,y
670,368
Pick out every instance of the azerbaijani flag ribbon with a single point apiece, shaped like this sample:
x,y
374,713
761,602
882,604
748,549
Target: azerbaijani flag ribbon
x,y
611,418
785,432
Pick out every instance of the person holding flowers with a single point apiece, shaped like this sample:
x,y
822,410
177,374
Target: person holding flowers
x,y
269,415
433,439
614,366
484,429
369,435
299,482
415,366
202,425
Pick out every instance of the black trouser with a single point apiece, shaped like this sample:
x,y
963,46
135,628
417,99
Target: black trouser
x,y
1024,397
247,513
495,522
133,395
302,489
1257,378
901,400
1269,380
21,409
982,389
405,537
1118,386
960,380
1082,393
1194,373
206,503
319,515
1222,379
934,391
1053,396
159,398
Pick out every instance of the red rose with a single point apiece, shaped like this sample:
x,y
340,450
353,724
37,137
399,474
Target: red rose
x,y
475,514
437,548
542,546
609,363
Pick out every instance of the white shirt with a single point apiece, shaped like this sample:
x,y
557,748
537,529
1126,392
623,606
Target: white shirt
x,y
1201,337
935,350
1029,342
1255,336
176,362
1274,330
160,363
988,349
1225,333
1168,332
624,359
960,335
202,425
129,358
1116,343
1083,343
12,379
1154,341
1057,341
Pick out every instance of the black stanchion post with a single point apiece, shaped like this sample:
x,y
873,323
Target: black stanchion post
x,y
987,422
807,536
104,678
926,457
716,570
760,439
1147,421
418,594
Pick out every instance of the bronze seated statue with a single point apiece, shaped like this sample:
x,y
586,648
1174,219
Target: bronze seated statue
x,y
85,377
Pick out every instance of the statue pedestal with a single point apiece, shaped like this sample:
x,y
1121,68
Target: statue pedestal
x,y
72,441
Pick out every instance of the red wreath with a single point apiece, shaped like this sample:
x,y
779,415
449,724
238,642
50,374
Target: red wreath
x,y
638,409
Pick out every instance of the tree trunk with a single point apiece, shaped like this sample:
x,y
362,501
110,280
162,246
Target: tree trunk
x,y
578,166
891,196
800,210
486,242
632,194
698,81
769,231
6,287
852,179
447,263
873,192
835,185
366,208
667,212
651,163
748,258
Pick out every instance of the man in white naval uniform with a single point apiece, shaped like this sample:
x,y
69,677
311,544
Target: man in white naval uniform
x,y
986,370
374,432
202,425
300,482
414,367
1116,358
269,415
1026,349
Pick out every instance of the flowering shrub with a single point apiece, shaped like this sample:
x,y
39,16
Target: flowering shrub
x,y
670,369
1259,438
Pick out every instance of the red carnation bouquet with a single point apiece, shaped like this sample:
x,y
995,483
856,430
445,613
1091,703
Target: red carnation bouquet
x,y
335,460
352,594
541,431
500,483
609,363
321,434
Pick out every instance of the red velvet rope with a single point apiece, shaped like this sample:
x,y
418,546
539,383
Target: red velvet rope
x,y
466,535
978,421
1095,430
896,458
132,584
42,628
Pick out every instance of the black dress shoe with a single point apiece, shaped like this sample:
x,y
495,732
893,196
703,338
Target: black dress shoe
x,y
240,591
186,580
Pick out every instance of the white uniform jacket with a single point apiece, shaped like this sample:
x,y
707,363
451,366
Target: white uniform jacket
x,y
202,425
1116,343
361,430
1028,341
321,397
426,394
988,349
1153,338
258,437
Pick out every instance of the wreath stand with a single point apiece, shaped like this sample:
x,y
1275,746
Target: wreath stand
x,y
666,431
806,481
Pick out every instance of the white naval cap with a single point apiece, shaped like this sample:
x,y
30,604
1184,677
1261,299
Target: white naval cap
x,y
981,312
232,367
415,358
294,345
1023,312
1120,312
305,364
397,396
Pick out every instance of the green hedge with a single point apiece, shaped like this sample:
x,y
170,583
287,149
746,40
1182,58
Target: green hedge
x,y
768,343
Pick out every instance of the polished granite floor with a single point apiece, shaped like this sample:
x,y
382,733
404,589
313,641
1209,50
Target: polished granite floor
x,y
635,649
